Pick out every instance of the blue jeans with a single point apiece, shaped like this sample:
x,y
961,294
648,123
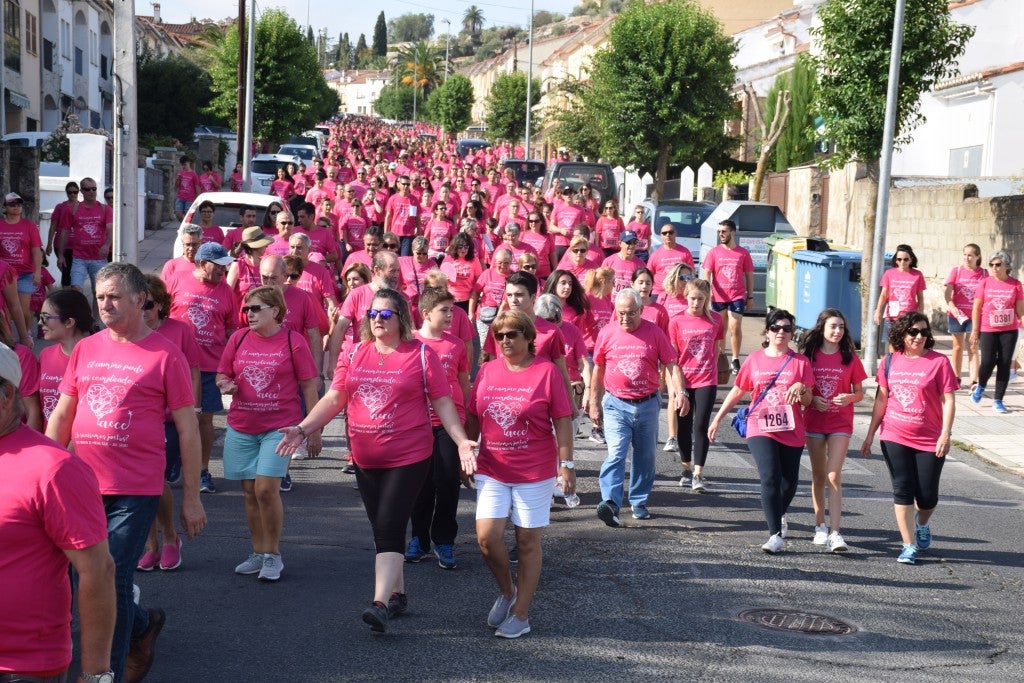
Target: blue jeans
x,y
405,245
84,268
627,424
128,522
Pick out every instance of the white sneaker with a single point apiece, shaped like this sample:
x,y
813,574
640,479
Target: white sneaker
x,y
271,569
698,484
785,527
835,543
820,534
251,565
671,445
774,545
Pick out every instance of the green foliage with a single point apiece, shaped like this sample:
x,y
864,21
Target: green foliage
x,y
729,176
58,148
473,23
506,107
451,105
420,64
344,55
796,144
410,27
380,36
395,102
660,90
362,51
291,94
575,125
543,18
855,39
171,95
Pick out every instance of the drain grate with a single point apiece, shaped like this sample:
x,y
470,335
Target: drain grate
x,y
800,622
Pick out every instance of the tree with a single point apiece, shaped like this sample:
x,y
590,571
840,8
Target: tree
x,y
362,51
171,95
451,105
421,65
309,35
770,132
291,94
395,102
410,27
575,125
380,36
344,59
660,89
506,106
473,23
796,144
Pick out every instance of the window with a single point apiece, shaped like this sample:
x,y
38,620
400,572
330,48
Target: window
x,y
12,37
104,67
31,33
65,39
94,49
49,54
79,62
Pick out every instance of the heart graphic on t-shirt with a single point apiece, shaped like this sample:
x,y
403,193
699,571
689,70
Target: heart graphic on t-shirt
x,y
199,317
89,229
504,414
696,346
49,403
630,369
10,245
826,387
904,394
728,273
373,397
103,400
258,377
775,397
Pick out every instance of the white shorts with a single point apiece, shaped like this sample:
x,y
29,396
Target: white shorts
x,y
530,503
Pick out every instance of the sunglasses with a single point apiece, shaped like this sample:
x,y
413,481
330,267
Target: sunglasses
x,y
610,206
294,276
421,253
631,243
510,335
73,190
669,232
996,265
45,317
530,266
901,260
384,314
255,308
88,189
149,305
919,331
16,202
786,329
286,222
391,245
579,251
533,220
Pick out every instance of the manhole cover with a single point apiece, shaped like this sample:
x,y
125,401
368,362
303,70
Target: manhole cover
x,y
795,620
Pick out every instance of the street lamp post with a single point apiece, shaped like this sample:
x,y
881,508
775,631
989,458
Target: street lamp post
x,y
529,86
447,43
415,86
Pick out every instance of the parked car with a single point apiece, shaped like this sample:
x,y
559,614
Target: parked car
x,y
225,210
222,132
467,145
304,151
528,172
685,216
577,173
26,139
264,169
754,222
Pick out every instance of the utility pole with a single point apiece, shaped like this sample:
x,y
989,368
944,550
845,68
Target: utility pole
x,y
250,59
126,136
240,100
415,84
447,44
529,87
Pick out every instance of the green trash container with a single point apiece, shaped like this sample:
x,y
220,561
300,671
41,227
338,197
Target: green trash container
x,y
780,277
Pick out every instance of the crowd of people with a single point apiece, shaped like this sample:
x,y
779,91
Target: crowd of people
x,y
464,324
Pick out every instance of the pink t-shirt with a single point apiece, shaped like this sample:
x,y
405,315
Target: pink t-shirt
x,y
351,232
964,281
755,374
623,270
89,231
516,411
902,291
549,344
354,309
439,235
53,366
248,276
267,371
16,243
913,413
319,282
608,230
643,234
454,359
543,245
575,348
213,233
29,370
188,185
695,338
656,313
632,360
174,269
49,502
584,322
209,182
663,259
403,217
388,417
303,313
491,286
728,267
566,217
999,304
211,310
831,377
462,273
462,327
675,306
602,310
323,241
123,390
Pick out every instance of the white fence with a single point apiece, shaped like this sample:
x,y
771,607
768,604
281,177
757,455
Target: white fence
x,y
633,187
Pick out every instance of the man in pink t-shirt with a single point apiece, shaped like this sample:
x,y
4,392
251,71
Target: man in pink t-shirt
x,y
666,256
183,266
119,384
401,216
628,357
186,186
90,235
301,316
52,513
730,270
625,261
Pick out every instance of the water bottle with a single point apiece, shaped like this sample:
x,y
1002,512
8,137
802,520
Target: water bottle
x,y
571,500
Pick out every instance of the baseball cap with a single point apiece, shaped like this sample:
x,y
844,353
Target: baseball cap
x,y
624,236
12,196
254,237
211,251
10,366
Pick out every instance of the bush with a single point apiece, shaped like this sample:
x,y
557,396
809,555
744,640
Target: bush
x,y
57,147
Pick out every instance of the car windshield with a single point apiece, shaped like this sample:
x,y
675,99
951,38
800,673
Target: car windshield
x,y
226,215
267,166
685,219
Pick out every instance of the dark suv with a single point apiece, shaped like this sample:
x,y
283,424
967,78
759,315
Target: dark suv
x,y
575,174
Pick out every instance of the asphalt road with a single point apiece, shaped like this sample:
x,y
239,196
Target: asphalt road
x,y
658,599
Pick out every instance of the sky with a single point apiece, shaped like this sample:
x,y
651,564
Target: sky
x,y
354,17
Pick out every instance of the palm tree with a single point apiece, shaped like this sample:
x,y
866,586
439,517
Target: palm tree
x,y
473,22
422,65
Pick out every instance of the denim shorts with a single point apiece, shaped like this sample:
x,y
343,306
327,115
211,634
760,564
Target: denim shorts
x,y
249,455
83,268
955,326
212,402
819,435
737,306
182,204
25,284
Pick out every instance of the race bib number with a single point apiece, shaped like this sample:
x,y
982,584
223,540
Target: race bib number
x,y
776,419
1001,318
892,309
414,210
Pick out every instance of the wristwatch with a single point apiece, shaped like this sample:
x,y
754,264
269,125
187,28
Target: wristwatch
x,y
105,677
568,464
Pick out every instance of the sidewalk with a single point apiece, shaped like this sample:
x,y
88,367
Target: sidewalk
x,y
998,439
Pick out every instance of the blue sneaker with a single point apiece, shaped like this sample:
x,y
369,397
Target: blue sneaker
x,y
416,552
976,394
286,483
445,555
908,555
173,474
608,512
641,512
999,406
206,482
923,535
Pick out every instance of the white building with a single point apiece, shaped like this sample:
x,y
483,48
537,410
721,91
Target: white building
x,y
974,120
357,89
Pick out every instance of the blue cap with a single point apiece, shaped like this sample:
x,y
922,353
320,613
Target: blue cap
x,y
211,251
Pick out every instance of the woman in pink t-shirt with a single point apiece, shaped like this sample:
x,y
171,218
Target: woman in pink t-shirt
x,y
65,319
838,384
599,284
698,336
386,385
995,319
283,186
902,288
674,284
462,268
521,412
537,236
575,304
270,374
959,294
643,233
779,382
608,228
489,292
236,179
916,427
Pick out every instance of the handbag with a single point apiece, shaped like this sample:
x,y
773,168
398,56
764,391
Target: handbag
x,y
739,420
724,368
488,314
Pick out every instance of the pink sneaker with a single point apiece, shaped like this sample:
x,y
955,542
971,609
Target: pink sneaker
x,y
148,561
170,556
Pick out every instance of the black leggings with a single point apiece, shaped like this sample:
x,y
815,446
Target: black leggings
x,y
388,494
435,510
692,428
914,473
997,353
779,468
